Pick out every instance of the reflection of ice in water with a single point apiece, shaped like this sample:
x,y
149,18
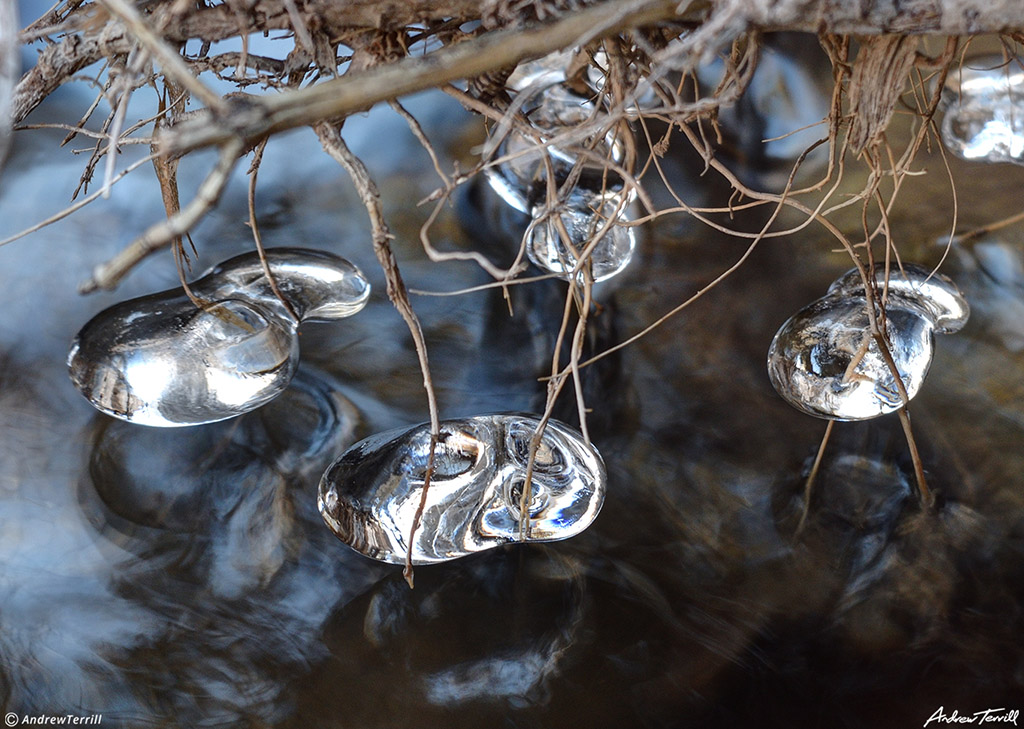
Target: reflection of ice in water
x,y
370,495
161,360
510,677
551,107
825,362
208,570
984,110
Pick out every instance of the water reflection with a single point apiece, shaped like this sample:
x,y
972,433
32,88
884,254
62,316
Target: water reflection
x,y
224,550
194,481
184,578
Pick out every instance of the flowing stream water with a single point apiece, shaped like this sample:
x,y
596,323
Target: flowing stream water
x,y
183,577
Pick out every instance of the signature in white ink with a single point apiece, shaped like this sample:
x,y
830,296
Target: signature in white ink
x,y
1002,715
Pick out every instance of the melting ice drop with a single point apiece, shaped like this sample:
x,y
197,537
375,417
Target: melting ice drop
x,y
161,360
370,495
825,362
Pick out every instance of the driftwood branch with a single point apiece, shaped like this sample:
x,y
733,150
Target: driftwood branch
x,y
255,118
490,52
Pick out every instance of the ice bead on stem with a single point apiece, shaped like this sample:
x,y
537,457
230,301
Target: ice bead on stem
x,y
369,496
162,360
584,214
983,104
825,361
552,107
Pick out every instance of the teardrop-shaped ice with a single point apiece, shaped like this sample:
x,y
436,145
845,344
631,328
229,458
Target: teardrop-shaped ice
x,y
984,110
825,362
584,214
370,495
161,360
599,193
522,180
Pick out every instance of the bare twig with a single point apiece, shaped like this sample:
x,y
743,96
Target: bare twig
x,y
984,230
357,91
254,168
123,87
335,146
170,62
809,483
442,198
107,275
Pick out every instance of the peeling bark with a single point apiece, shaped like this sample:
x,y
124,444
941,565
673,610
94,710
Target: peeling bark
x,y
9,68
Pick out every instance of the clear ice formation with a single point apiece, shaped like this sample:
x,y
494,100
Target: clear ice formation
x,y
161,360
585,213
369,496
984,110
825,362
552,106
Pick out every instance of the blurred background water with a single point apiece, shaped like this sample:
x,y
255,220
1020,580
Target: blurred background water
x,y
184,578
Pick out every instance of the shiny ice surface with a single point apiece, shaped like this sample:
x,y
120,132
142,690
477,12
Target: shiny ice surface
x,y
585,213
522,180
161,360
825,362
552,106
370,495
984,110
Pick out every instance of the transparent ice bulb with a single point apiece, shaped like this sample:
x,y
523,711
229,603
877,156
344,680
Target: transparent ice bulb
x,y
983,102
584,215
825,362
370,495
161,360
536,161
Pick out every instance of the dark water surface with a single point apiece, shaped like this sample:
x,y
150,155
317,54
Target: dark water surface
x,y
184,578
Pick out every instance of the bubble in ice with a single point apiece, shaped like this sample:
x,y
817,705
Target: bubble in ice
x,y
370,495
552,106
983,103
162,360
825,362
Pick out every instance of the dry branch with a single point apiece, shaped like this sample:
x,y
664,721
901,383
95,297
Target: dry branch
x,y
490,52
9,63
333,143
358,91
109,274
493,51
